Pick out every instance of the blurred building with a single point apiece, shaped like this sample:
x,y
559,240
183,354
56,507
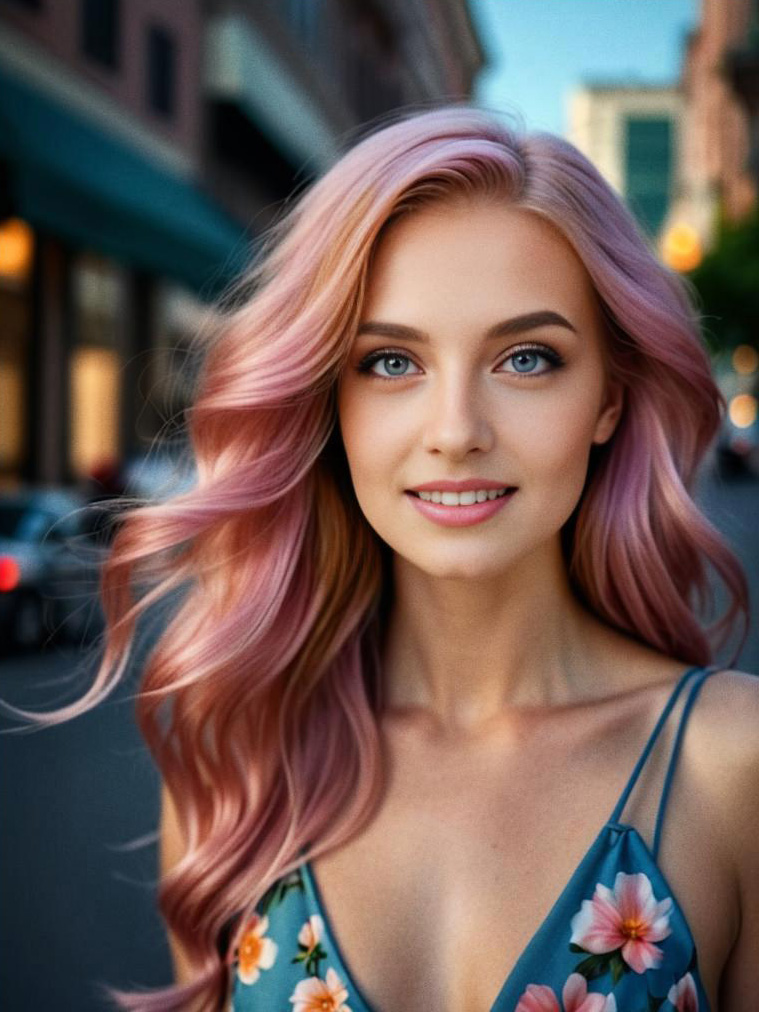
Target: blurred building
x,y
715,174
104,221
632,134
144,145
698,135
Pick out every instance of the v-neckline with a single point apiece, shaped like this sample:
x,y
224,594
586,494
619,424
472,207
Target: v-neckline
x,y
523,959
612,824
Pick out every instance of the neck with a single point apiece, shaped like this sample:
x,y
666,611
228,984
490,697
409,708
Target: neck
x,y
462,653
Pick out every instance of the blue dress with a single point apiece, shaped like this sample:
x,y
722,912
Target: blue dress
x,y
615,940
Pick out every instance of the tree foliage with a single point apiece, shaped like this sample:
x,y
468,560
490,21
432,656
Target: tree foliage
x,y
727,283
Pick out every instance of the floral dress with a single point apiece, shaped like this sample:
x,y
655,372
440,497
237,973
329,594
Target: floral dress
x,y
615,940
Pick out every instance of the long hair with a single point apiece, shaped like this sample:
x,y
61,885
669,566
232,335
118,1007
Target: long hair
x,y
260,700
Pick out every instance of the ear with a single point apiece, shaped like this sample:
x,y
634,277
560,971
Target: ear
x,y
610,412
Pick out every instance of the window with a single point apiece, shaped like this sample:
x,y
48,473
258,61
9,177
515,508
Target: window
x,y
17,241
161,71
96,365
101,37
648,168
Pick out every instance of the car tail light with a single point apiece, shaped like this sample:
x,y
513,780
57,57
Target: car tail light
x,y
10,573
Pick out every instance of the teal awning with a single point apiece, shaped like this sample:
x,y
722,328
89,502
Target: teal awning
x,y
95,191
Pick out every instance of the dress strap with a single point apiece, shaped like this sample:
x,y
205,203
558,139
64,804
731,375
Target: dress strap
x,y
671,765
619,808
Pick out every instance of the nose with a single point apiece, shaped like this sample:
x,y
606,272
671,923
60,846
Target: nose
x,y
456,421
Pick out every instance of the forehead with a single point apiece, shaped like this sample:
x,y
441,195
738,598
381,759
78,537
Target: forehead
x,y
476,256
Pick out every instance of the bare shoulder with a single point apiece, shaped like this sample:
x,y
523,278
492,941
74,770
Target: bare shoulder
x,y
724,728
725,750
727,716
726,747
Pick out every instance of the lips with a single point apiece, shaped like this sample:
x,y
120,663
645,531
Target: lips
x,y
460,515
469,485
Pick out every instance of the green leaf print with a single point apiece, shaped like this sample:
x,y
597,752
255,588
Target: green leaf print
x,y
310,958
618,968
279,889
594,966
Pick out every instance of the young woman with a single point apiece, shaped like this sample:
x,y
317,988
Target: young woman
x,y
438,722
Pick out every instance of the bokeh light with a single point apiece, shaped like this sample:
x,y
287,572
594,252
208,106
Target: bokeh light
x,y
742,410
745,359
16,249
681,247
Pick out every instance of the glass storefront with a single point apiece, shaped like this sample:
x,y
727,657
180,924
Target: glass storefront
x,y
16,258
98,310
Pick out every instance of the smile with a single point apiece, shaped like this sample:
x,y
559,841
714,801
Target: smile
x,y
462,498
460,509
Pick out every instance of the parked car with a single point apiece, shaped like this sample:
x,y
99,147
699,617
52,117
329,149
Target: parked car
x,y
158,474
48,568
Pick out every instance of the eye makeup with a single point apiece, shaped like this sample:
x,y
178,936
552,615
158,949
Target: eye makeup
x,y
553,357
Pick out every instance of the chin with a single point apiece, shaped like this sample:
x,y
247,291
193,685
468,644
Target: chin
x,y
474,567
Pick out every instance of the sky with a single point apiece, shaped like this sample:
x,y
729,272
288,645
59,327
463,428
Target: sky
x,y
541,49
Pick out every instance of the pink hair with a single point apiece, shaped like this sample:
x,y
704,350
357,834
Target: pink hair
x,y
270,665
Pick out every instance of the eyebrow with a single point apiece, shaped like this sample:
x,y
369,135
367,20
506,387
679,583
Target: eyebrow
x,y
506,328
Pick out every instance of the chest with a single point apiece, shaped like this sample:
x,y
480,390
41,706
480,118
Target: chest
x,y
436,900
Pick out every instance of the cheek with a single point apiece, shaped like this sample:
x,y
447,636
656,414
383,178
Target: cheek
x,y
553,449
560,428
371,439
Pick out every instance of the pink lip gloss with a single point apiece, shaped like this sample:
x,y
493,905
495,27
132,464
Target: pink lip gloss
x,y
460,516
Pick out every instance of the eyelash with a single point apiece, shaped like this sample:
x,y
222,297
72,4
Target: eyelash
x,y
556,360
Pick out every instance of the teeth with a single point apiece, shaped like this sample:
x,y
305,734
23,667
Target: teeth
x,y
462,498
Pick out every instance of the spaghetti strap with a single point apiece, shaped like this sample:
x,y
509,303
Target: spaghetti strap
x,y
671,765
619,807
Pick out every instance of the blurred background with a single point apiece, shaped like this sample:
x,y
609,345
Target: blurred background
x,y
144,148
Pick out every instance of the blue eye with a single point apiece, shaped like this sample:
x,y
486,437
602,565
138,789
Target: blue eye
x,y
530,354
396,364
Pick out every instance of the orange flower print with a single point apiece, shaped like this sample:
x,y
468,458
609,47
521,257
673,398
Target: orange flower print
x,y
255,952
683,994
627,918
316,995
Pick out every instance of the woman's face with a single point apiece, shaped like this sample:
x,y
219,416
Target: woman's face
x,y
430,397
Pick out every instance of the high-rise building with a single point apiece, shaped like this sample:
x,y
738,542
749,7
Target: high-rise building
x,y
632,133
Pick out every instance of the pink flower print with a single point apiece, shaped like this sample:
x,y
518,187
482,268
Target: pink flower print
x,y
683,994
255,951
316,995
628,918
539,998
311,933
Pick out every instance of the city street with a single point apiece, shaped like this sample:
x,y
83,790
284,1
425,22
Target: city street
x,y
76,907
194,211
